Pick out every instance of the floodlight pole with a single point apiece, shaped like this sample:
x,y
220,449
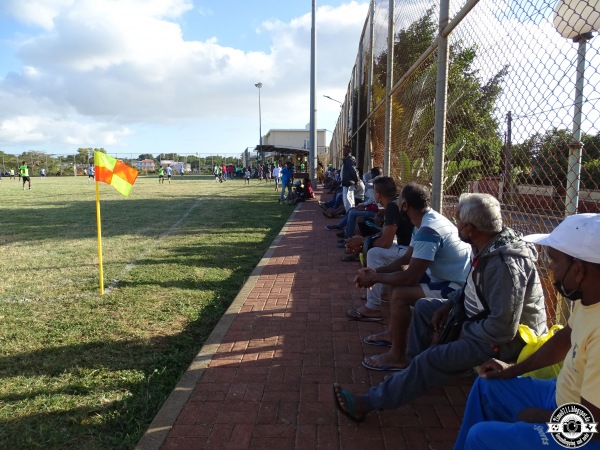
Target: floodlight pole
x,y
312,153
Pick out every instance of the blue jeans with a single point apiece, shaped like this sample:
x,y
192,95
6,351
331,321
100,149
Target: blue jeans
x,y
351,220
335,202
288,185
490,420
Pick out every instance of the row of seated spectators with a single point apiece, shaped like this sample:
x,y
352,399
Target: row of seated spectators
x,y
458,295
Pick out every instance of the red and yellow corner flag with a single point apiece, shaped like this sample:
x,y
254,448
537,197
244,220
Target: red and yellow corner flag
x,y
114,172
120,176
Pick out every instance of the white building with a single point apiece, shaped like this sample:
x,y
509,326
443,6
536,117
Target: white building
x,y
293,142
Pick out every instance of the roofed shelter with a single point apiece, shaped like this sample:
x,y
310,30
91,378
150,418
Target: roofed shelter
x,y
291,143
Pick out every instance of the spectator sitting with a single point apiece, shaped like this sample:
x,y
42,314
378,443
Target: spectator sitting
x,y
437,263
522,405
297,194
503,277
367,209
309,194
333,203
359,192
391,244
333,181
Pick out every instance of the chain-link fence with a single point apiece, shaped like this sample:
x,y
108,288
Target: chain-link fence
x,y
518,119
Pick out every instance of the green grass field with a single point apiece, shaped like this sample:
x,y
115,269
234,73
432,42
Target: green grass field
x,y
80,370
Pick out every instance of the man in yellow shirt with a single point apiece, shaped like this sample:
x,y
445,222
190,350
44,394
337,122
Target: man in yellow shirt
x,y
504,411
24,171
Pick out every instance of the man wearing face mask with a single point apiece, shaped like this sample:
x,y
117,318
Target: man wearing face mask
x,y
435,264
502,291
523,406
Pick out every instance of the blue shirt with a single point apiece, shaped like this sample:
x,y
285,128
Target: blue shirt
x,y
286,175
437,240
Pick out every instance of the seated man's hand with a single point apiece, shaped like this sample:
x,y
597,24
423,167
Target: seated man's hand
x,y
364,279
438,320
359,207
440,316
354,244
494,369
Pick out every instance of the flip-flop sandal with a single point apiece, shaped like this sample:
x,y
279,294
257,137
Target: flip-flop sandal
x,y
355,314
380,343
349,413
383,368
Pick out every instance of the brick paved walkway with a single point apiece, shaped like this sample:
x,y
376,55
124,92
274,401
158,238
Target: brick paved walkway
x,y
264,377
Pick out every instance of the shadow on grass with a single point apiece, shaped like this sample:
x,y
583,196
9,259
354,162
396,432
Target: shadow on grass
x,y
150,218
135,376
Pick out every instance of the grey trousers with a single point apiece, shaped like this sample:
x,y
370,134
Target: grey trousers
x,y
377,257
430,366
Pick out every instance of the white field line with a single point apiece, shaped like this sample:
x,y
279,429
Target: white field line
x,y
129,267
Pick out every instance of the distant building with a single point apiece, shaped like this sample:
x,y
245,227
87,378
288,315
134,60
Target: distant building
x,y
294,142
176,165
145,164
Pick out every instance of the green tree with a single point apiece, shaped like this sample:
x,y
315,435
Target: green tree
x,y
421,169
549,156
470,105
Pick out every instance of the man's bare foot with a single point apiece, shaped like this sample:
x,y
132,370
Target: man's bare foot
x,y
383,362
349,404
364,314
385,336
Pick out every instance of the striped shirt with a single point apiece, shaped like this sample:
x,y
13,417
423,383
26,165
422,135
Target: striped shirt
x,y
437,240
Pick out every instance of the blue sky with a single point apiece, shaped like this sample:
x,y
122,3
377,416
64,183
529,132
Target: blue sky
x,y
151,76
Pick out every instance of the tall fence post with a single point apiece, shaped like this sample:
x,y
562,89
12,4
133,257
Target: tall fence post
x,y
576,147
441,90
360,83
508,179
388,92
367,155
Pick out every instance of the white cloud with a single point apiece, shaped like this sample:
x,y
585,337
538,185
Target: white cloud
x,y
38,130
102,65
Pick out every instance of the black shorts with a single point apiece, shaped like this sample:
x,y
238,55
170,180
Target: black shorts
x,y
25,179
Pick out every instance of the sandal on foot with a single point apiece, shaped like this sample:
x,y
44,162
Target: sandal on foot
x,y
350,412
381,343
382,368
355,314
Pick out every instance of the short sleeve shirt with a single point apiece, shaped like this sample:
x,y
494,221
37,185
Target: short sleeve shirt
x,y
404,227
437,240
580,375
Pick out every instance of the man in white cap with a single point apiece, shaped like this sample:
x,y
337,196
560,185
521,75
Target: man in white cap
x,y
504,411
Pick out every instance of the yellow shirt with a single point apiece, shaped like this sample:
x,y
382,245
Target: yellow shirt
x,y
580,376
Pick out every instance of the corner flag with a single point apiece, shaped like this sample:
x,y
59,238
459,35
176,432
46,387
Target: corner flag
x,y
114,172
